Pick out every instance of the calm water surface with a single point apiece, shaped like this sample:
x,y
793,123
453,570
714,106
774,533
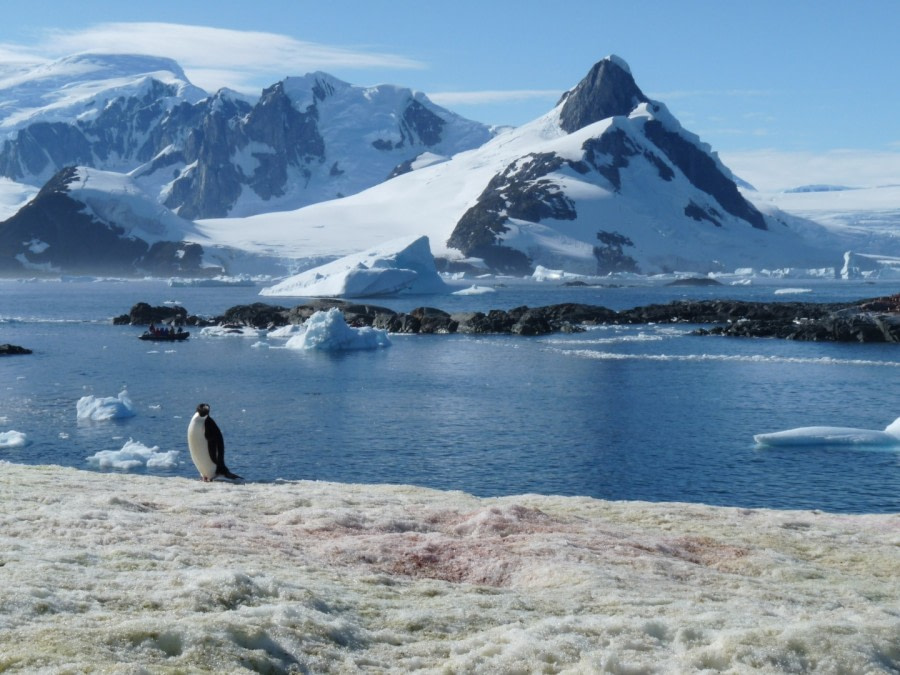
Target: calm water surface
x,y
649,412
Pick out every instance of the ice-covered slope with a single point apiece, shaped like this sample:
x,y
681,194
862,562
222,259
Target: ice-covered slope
x,y
79,88
607,181
99,222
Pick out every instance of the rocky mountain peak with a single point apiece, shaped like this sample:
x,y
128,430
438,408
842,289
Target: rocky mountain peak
x,y
607,90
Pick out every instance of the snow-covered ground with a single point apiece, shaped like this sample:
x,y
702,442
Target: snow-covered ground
x,y
121,572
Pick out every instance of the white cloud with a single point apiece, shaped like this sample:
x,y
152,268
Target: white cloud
x,y
774,170
451,98
217,57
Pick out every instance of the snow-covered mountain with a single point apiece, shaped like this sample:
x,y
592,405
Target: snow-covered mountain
x,y
98,222
305,139
607,181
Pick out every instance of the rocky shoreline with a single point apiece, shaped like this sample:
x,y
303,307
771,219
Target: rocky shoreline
x,y
872,320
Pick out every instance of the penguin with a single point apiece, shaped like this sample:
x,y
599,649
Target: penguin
x,y
207,446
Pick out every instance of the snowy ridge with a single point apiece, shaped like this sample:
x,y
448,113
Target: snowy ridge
x,y
79,87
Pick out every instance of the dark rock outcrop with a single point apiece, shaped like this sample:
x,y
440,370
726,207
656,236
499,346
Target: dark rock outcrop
x,y
875,320
607,90
143,314
9,350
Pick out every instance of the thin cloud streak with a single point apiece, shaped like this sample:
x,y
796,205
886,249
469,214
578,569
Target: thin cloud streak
x,y
217,57
775,170
448,98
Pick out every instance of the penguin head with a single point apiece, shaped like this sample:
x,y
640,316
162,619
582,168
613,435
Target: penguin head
x,y
203,409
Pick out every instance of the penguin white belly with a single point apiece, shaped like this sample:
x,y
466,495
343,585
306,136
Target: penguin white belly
x,y
199,448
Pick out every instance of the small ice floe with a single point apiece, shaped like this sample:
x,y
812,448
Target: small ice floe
x,y
134,454
287,331
475,290
806,436
231,330
327,331
98,408
12,439
792,291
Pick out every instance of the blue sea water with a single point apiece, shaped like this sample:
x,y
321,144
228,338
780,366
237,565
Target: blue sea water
x,y
636,413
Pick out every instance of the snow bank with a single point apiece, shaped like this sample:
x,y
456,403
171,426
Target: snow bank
x,y
108,408
132,455
327,331
401,265
155,574
12,439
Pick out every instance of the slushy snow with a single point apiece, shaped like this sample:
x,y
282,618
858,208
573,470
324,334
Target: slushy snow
x,y
328,331
98,408
134,573
401,265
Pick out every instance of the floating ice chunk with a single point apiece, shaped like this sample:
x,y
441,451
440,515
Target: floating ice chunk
x,y
475,290
287,331
232,330
792,291
134,454
327,331
108,408
12,439
805,436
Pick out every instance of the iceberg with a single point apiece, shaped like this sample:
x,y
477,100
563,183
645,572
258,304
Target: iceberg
x,y
403,265
104,408
806,436
327,331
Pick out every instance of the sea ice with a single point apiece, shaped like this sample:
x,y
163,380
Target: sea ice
x,y
104,408
475,290
327,331
832,436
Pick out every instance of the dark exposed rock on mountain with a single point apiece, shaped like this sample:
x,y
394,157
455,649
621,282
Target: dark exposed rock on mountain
x,y
56,233
608,90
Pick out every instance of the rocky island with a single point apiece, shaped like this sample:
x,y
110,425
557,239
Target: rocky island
x,y
871,320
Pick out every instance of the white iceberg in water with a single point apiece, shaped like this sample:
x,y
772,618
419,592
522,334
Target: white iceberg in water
x,y
327,331
105,408
401,265
12,439
832,436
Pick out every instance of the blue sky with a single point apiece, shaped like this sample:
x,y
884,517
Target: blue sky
x,y
790,90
